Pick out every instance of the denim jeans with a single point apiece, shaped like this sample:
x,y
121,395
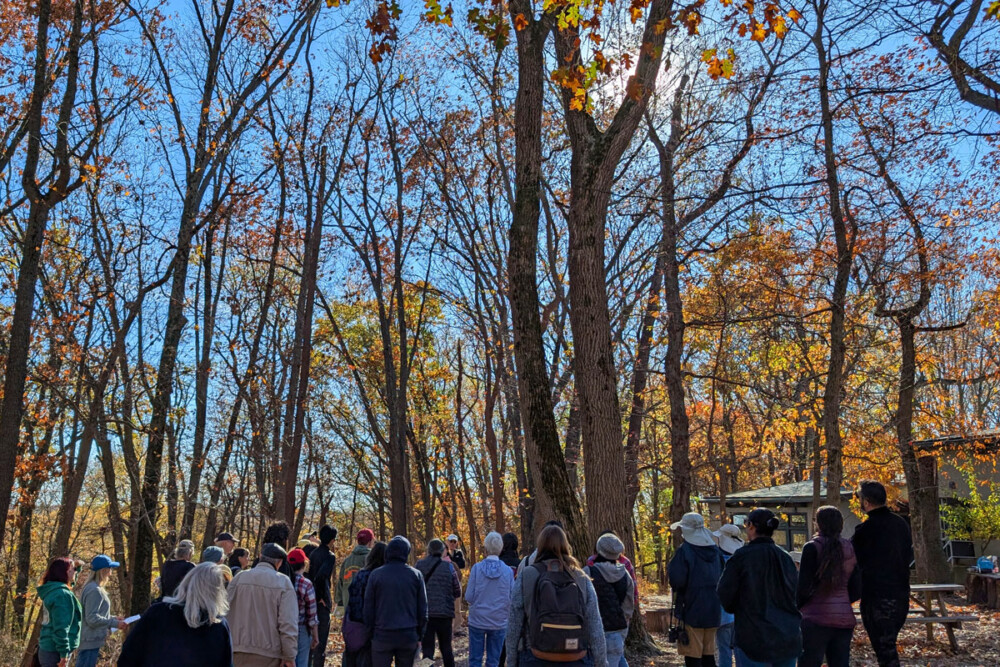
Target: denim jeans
x,y
489,640
725,642
302,655
88,657
615,643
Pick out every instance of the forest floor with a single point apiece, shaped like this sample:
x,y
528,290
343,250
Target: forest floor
x,y
978,643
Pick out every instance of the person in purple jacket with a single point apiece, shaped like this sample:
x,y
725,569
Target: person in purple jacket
x,y
488,594
829,581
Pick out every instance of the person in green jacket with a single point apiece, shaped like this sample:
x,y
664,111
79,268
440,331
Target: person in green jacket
x,y
61,614
352,564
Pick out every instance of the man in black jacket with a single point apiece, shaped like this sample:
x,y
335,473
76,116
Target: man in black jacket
x,y
884,549
395,609
758,587
322,565
457,558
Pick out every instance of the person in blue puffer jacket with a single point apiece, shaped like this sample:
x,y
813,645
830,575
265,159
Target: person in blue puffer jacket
x,y
488,594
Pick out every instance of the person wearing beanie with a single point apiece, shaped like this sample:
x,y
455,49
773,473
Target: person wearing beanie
x,y
97,619
615,590
443,588
305,595
322,565
624,560
725,640
212,554
263,613
395,608
351,566
758,587
694,573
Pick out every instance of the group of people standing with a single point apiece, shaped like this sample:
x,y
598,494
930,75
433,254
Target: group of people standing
x,y
743,601
748,603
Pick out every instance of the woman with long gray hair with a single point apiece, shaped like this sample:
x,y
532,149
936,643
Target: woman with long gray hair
x,y
186,629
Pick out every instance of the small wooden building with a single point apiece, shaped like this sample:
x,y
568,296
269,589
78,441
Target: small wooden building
x,y
792,503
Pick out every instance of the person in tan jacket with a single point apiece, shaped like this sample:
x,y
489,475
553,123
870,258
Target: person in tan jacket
x,y
261,637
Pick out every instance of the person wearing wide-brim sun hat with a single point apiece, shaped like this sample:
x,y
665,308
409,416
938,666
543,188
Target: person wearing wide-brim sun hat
x,y
729,538
694,572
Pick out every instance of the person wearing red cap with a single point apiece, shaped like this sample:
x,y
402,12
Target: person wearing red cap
x,y
353,564
305,594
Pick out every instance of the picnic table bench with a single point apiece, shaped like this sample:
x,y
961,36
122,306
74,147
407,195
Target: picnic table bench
x,y
925,595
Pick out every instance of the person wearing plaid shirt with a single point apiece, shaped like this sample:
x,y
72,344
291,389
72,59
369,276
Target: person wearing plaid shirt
x,y
306,596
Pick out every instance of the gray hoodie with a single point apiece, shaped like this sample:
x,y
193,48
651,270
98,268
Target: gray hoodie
x,y
97,618
613,572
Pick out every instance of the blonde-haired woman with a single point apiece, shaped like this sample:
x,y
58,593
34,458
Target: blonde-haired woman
x,y
186,630
554,610
97,619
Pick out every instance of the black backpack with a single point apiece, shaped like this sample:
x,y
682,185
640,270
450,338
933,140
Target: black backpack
x,y
556,620
609,599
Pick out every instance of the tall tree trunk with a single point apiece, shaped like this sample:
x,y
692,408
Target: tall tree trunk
x,y
19,340
298,387
925,520
212,142
835,369
553,491
210,305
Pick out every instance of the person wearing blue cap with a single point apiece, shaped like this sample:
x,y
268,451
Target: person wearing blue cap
x,y
97,619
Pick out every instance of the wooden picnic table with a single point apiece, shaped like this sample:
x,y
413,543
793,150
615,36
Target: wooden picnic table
x,y
983,588
925,595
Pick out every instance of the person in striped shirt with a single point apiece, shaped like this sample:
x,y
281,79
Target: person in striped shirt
x,y
306,596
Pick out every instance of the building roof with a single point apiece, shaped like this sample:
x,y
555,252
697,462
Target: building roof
x,y
984,442
796,492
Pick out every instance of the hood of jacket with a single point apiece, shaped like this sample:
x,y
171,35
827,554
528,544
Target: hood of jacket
x,y
360,550
398,549
611,572
707,554
492,567
51,589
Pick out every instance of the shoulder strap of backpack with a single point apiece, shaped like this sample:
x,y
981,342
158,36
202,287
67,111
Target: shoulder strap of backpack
x,y
431,573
